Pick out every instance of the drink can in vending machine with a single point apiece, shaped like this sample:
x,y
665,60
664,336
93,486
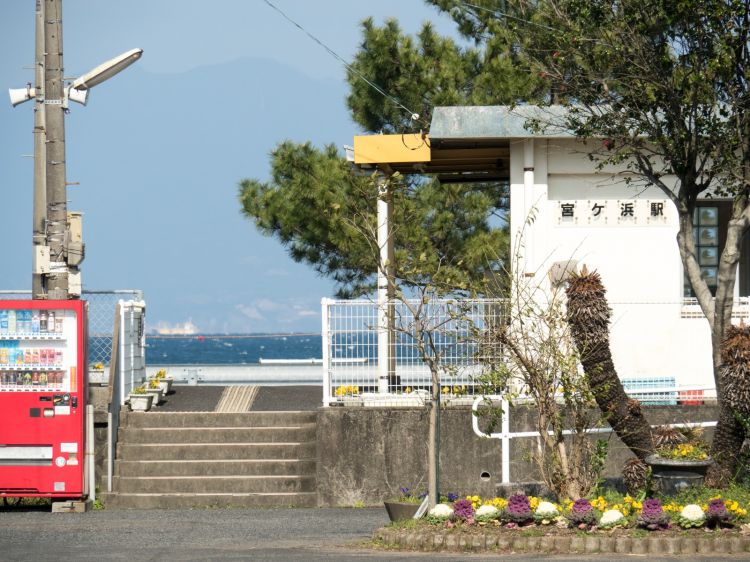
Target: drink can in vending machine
x,y
35,378
58,357
43,379
35,357
3,355
51,321
12,379
58,324
28,357
43,356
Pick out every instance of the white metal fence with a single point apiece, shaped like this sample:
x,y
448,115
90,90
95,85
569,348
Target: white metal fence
x,y
452,333
463,345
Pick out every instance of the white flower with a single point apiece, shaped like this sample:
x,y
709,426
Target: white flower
x,y
692,512
486,510
547,510
441,510
610,517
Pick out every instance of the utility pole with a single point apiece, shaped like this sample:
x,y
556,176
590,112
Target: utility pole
x,y
57,242
39,237
57,204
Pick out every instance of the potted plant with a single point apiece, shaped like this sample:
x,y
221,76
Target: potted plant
x,y
405,505
152,387
680,460
140,400
96,374
165,382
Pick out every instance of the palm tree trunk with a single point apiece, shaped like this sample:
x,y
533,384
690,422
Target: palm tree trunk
x,y
588,316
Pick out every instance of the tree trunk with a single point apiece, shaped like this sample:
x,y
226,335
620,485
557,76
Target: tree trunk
x,y
588,316
729,434
433,451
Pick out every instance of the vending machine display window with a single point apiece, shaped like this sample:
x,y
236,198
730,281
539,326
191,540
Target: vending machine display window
x,y
37,350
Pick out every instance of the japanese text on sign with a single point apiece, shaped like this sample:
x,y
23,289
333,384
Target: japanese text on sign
x,y
636,212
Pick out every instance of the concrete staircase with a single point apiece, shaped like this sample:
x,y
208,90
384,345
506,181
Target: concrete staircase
x,y
211,459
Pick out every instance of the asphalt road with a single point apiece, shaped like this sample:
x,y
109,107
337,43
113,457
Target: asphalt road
x,y
311,535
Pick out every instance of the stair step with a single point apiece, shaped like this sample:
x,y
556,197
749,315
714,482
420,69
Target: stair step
x,y
215,467
215,419
215,484
210,451
182,501
262,434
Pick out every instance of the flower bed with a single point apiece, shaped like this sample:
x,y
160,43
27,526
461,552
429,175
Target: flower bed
x,y
585,525
520,511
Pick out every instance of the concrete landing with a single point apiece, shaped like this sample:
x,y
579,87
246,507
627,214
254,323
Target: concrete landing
x,y
185,398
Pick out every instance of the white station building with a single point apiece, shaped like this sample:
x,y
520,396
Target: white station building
x,y
626,232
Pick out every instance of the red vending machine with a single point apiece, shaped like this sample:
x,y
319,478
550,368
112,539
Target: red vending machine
x,y
42,398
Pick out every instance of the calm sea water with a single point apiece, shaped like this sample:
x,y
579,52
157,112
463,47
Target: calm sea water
x,y
230,350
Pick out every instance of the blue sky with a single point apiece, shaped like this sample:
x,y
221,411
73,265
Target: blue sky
x,y
159,149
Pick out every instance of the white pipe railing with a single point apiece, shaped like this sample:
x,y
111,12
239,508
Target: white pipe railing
x,y
505,434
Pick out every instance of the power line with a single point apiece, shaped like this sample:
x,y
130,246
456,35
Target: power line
x,y
414,115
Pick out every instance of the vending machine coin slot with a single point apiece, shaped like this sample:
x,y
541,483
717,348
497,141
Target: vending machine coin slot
x,y
35,412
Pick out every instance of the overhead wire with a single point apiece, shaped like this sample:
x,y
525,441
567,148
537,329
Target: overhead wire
x,y
412,114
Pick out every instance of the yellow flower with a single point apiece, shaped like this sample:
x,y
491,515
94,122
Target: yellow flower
x,y
499,503
347,390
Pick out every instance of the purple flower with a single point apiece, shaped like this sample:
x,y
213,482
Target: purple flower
x,y
452,497
463,509
652,515
717,513
518,509
404,491
582,513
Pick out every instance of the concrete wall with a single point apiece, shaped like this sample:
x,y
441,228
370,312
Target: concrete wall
x,y
366,454
98,396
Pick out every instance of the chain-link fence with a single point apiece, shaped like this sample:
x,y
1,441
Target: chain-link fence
x,y
101,317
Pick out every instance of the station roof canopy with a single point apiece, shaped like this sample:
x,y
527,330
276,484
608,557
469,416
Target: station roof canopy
x,y
465,144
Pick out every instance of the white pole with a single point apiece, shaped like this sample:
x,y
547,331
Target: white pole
x,y
505,440
386,261
90,464
325,304
528,205
110,452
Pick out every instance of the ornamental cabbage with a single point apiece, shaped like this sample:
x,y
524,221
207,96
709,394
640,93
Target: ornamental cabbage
x,y
518,509
611,517
486,511
547,510
693,512
441,511
463,509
